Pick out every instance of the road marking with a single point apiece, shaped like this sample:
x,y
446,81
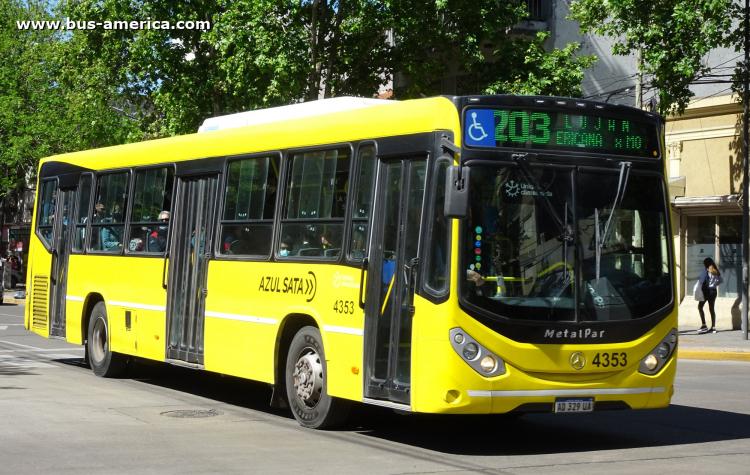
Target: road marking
x,y
18,344
23,362
9,315
3,327
42,349
61,356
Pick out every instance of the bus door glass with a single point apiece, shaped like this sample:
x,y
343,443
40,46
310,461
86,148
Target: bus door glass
x,y
61,246
393,269
189,254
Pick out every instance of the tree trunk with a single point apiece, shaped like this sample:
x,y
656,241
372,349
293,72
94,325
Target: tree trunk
x,y
314,87
333,49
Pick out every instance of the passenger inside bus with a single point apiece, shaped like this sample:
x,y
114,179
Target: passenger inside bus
x,y
157,241
109,240
286,246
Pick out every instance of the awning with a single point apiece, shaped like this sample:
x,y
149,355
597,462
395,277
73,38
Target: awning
x,y
719,204
676,186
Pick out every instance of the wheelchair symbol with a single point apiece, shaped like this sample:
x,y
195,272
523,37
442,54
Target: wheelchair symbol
x,y
476,127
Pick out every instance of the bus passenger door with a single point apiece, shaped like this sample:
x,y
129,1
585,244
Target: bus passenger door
x,y
392,271
189,254
61,245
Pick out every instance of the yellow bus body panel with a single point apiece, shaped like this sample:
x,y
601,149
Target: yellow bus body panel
x,y
247,304
442,378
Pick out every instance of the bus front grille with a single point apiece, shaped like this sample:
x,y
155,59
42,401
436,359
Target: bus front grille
x,y
39,303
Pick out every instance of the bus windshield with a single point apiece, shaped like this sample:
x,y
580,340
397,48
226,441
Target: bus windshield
x,y
530,244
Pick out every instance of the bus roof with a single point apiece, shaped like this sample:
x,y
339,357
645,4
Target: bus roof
x,y
389,118
294,111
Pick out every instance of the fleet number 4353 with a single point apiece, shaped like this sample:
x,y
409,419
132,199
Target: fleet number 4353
x,y
606,360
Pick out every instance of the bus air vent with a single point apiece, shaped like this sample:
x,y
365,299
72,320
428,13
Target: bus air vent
x,y
571,377
39,305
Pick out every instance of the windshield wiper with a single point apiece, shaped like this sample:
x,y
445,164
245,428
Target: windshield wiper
x,y
563,228
601,241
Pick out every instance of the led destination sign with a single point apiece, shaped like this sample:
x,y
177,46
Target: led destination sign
x,y
564,131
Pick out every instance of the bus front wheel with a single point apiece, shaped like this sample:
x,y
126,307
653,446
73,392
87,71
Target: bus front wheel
x,y
306,383
104,362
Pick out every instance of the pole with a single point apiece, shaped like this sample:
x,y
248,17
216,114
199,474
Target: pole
x,y
745,177
639,76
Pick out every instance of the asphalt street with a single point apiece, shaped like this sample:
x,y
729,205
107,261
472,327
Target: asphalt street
x,y
56,416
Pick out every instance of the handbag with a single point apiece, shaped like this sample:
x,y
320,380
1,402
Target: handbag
x,y
698,292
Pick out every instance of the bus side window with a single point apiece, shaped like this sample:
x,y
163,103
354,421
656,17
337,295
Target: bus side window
x,y
46,217
365,177
312,224
152,205
249,206
82,212
439,253
107,226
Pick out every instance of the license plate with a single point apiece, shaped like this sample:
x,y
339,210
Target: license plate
x,y
578,404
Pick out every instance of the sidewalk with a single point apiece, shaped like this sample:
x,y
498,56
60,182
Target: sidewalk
x,y
725,345
8,295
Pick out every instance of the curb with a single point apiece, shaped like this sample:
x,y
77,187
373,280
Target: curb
x,y
713,355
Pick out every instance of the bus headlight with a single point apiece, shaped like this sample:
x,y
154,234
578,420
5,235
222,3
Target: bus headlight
x,y
651,362
488,364
471,351
475,355
658,357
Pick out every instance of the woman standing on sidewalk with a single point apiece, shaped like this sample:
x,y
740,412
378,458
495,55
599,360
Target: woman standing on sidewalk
x,y
708,283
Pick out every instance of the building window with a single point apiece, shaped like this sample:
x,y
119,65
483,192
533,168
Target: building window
x,y
720,238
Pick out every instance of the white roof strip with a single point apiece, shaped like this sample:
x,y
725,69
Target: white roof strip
x,y
294,111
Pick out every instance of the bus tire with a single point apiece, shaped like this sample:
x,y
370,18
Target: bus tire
x,y
307,386
104,362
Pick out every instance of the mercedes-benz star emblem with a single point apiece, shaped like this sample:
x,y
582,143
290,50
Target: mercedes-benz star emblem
x,y
577,360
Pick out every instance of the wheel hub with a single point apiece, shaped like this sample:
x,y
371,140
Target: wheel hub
x,y
308,378
99,347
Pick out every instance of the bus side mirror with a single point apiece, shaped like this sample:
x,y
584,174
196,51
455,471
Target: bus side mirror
x,y
457,192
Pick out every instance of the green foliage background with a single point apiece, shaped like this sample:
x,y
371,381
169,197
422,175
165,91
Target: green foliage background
x,y
674,35
64,91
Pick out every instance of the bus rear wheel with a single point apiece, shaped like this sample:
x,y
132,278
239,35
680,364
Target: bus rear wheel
x,y
104,362
306,383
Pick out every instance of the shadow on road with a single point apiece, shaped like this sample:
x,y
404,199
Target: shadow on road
x,y
537,434
8,370
532,434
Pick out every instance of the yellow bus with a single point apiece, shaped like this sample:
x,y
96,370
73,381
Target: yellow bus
x,y
457,255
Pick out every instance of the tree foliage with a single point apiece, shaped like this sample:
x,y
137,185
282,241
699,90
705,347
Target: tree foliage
x,y
262,53
73,89
675,36
46,106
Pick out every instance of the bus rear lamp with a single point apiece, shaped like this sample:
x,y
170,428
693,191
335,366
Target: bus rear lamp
x,y
488,364
481,360
658,357
471,351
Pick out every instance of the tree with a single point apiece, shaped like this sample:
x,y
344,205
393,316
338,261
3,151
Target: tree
x,y
41,112
262,53
675,36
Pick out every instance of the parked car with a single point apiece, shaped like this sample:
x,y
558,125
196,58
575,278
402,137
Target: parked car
x,y
16,278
